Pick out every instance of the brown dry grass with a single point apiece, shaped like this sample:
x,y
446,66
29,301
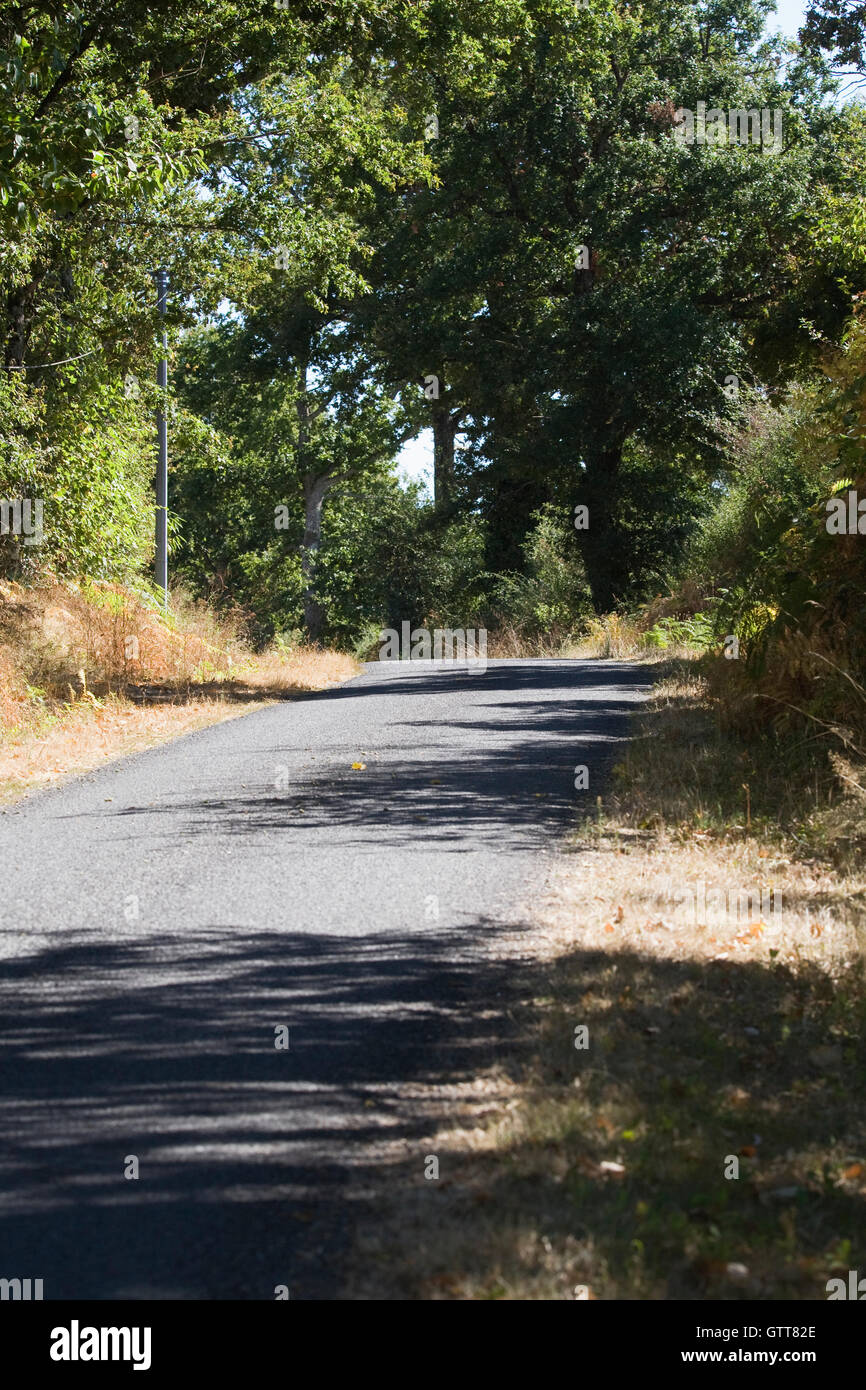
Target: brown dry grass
x,y
508,641
305,668
84,736
614,636
93,635
620,637
91,671
717,1029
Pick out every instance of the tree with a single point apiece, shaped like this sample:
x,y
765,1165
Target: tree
x,y
298,417
838,27
141,136
589,278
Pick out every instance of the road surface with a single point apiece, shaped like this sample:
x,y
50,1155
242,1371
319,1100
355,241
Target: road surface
x,y
166,919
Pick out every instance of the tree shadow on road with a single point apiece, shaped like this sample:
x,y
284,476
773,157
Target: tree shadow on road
x,y
251,1157
305,1166
504,773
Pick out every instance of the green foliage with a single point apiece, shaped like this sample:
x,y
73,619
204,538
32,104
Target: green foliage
x,y
789,587
325,259
739,556
551,365
838,27
84,456
697,632
550,598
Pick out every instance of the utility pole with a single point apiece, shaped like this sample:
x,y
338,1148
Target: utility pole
x,y
161,562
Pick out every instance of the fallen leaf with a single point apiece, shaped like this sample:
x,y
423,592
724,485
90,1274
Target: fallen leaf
x,y
753,930
618,915
608,926
359,767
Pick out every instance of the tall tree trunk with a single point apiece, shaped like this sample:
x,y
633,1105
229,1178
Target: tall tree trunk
x,y
20,308
513,491
602,546
316,486
445,422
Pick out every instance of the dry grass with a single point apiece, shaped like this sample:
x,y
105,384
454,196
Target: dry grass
x,y
305,668
694,766
93,671
94,635
611,637
620,637
719,1027
84,736
508,641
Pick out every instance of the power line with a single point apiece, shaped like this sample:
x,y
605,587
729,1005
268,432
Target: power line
x,y
37,366
62,361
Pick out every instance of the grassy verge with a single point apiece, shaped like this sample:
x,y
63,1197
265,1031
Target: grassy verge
x,y
706,930
91,672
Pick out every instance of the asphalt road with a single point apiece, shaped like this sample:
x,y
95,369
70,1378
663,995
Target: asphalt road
x,y
161,919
